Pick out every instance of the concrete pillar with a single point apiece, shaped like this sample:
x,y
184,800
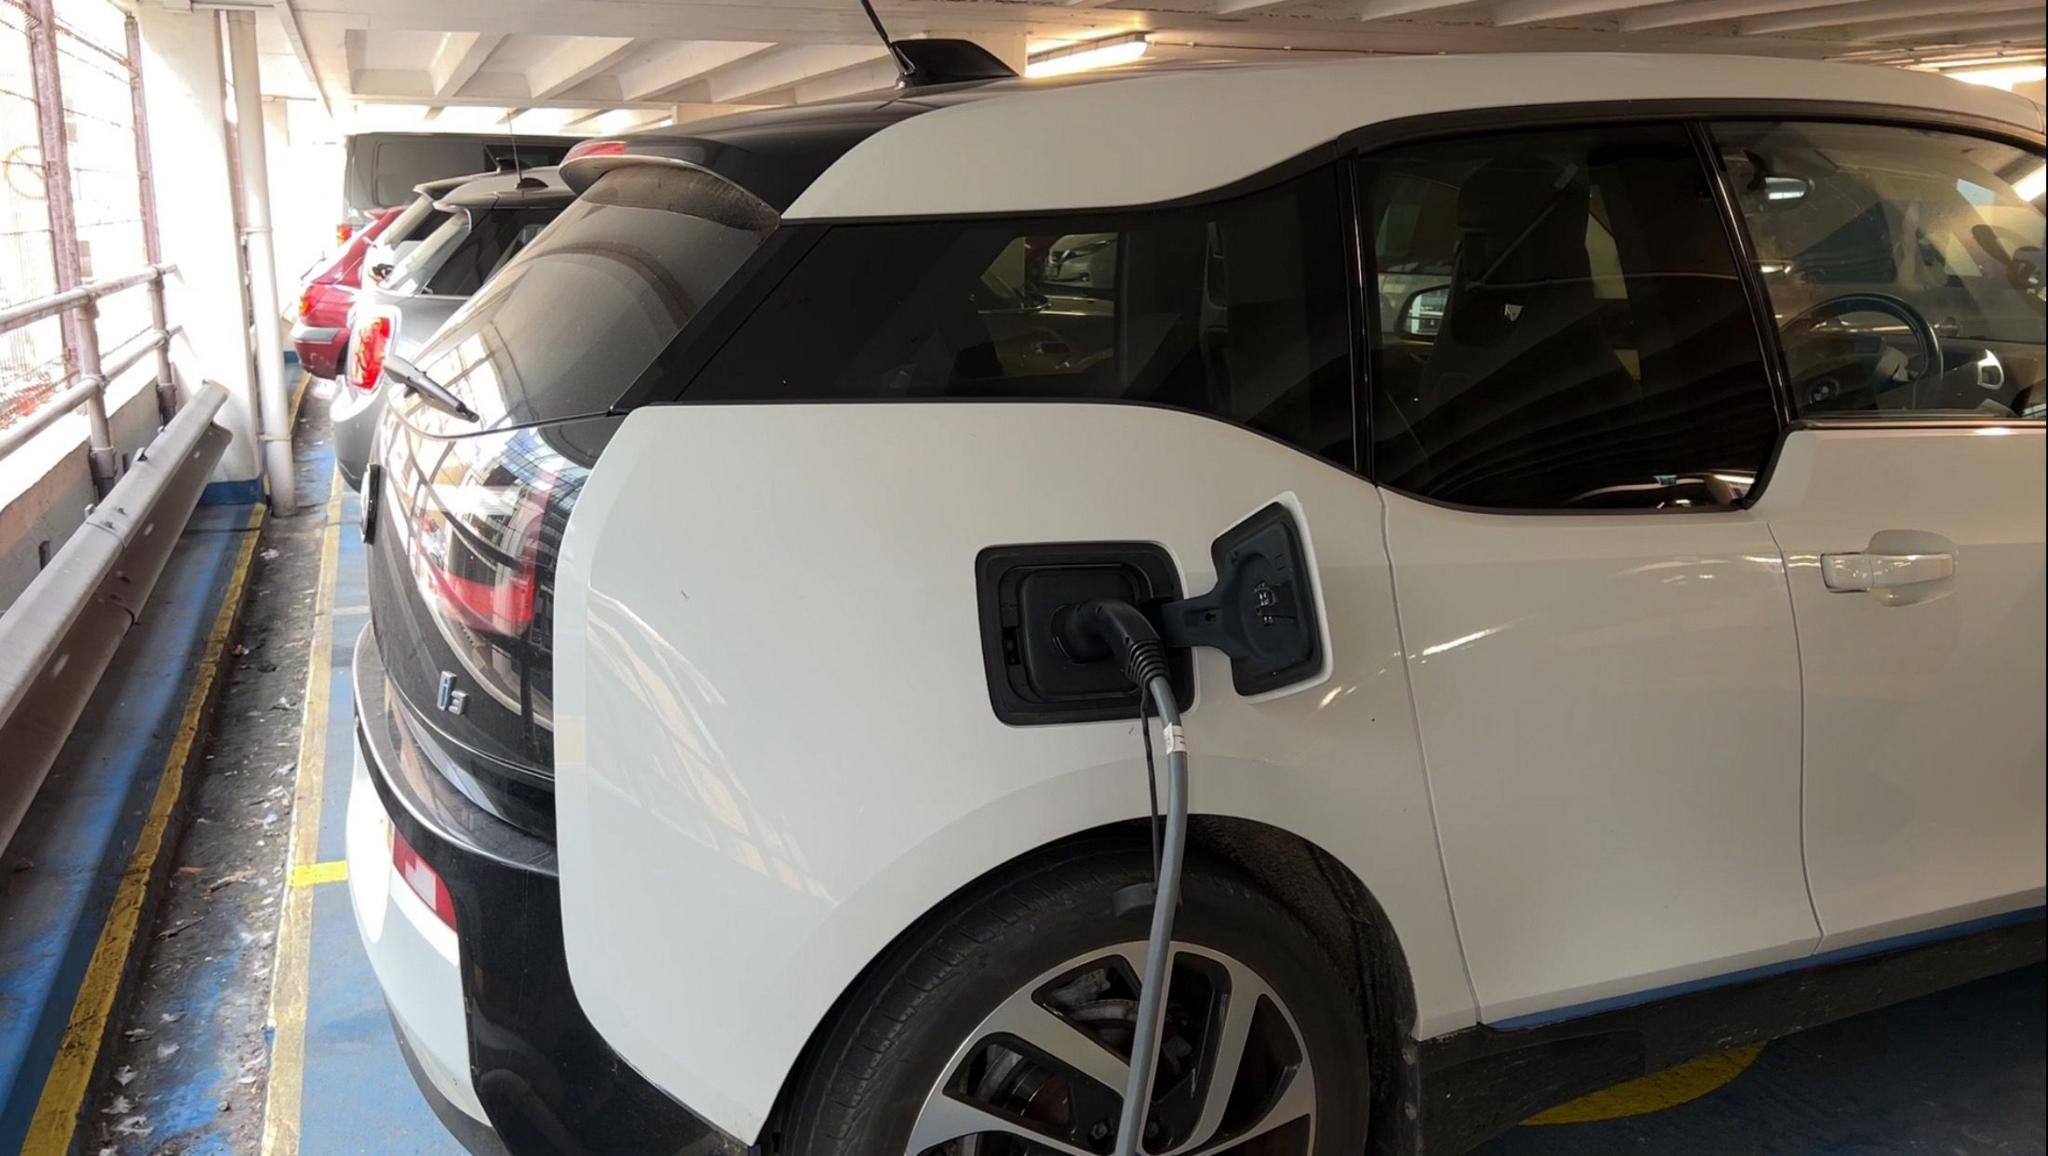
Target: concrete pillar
x,y
183,87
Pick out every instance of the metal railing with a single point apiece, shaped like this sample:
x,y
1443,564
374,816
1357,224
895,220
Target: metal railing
x,y
89,390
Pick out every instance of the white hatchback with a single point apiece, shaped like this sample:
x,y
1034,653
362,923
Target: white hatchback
x,y
1590,554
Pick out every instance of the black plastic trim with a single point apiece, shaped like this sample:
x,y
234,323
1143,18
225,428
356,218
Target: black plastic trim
x,y
1479,1082
1000,573
547,1079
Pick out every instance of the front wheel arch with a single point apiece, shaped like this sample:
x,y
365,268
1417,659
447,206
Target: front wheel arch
x,y
1311,884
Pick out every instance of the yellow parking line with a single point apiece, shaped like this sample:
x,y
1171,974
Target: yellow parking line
x,y
1657,1091
295,922
314,874
65,1088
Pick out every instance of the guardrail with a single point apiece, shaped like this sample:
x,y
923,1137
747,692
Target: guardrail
x,y
90,390
58,637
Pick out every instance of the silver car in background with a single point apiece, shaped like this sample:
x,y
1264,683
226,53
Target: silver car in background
x,y
487,220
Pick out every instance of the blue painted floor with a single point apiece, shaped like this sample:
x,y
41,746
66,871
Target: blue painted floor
x,y
357,1095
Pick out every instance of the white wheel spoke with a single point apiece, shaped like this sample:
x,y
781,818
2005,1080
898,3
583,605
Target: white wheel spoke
x,y
1298,1101
1021,1017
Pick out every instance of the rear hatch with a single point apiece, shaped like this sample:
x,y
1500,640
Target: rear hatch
x,y
469,514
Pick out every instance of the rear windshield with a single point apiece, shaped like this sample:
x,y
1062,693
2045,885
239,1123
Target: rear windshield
x,y
566,326
457,258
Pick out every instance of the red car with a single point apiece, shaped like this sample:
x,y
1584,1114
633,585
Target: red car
x,y
320,334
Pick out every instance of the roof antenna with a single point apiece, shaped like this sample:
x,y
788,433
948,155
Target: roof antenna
x,y
904,65
920,63
518,166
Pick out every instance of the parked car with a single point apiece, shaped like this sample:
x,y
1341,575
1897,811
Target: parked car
x,y
484,222
416,221
320,330
382,169
1635,654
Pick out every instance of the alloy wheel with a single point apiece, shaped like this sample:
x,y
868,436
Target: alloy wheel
x,y
1044,1073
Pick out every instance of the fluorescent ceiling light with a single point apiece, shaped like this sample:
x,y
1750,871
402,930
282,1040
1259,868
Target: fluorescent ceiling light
x,y
2031,186
2004,78
1088,55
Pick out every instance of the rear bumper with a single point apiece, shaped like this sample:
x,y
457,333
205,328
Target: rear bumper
x,y
536,1070
320,348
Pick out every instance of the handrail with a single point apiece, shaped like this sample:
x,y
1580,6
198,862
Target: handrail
x,y
90,389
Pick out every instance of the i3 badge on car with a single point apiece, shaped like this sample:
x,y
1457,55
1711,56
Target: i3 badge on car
x,y
447,697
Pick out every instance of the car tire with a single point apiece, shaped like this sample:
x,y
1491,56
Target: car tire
x,y
871,1077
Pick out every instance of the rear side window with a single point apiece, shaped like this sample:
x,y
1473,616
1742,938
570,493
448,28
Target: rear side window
x,y
1561,325
1875,241
1236,310
571,321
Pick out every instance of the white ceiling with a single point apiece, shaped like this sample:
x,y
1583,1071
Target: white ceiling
x,y
611,65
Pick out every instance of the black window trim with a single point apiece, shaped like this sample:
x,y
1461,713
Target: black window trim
x,y
667,380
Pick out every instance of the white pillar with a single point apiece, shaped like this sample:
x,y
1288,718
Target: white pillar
x,y
182,90
274,408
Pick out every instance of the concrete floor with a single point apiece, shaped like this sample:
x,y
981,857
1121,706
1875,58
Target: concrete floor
x,y
1959,1072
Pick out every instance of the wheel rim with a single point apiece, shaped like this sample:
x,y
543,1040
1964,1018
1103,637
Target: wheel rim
x,y
1044,1073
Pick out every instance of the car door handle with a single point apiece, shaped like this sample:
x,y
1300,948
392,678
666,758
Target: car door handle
x,y
1849,572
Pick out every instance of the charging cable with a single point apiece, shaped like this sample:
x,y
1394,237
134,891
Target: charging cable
x,y
1136,647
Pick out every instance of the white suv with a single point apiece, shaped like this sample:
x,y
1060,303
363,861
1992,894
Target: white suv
x,y
1594,542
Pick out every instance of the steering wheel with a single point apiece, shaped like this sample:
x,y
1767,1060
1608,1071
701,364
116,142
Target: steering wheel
x,y
1821,388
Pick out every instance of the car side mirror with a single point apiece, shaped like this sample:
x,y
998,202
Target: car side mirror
x,y
1422,314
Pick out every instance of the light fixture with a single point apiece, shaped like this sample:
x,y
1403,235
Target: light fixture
x,y
1999,77
2031,186
1088,55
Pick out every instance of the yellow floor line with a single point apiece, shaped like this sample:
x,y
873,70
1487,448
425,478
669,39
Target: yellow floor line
x,y
295,921
1657,1091
65,1088
314,874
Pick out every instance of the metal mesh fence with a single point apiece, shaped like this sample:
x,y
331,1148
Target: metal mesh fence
x,y
98,118
99,134
31,357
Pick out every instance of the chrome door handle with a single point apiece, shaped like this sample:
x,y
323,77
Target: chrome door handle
x,y
1848,572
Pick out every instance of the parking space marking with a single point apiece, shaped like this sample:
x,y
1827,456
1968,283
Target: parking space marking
x,y
70,1078
1657,1091
314,874
294,934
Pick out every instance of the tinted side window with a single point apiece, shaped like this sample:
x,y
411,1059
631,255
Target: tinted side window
x,y
1236,310
1561,325
1869,238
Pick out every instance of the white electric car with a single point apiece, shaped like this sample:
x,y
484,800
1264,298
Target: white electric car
x,y
1591,507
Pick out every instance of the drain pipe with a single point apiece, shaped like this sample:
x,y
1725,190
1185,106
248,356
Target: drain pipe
x,y
258,254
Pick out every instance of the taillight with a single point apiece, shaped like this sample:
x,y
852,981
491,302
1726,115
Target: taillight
x,y
423,879
482,569
594,148
343,232
306,302
371,346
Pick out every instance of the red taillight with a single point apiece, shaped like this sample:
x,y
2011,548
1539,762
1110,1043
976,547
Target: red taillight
x,y
306,302
371,345
343,232
594,148
491,588
423,879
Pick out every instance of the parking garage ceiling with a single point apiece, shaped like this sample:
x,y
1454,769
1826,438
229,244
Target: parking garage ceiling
x,y
603,66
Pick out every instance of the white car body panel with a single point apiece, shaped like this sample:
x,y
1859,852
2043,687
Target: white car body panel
x,y
1152,137
1609,708
1924,723
767,770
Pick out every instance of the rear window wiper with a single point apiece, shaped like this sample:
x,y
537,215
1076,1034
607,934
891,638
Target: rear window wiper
x,y
415,381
